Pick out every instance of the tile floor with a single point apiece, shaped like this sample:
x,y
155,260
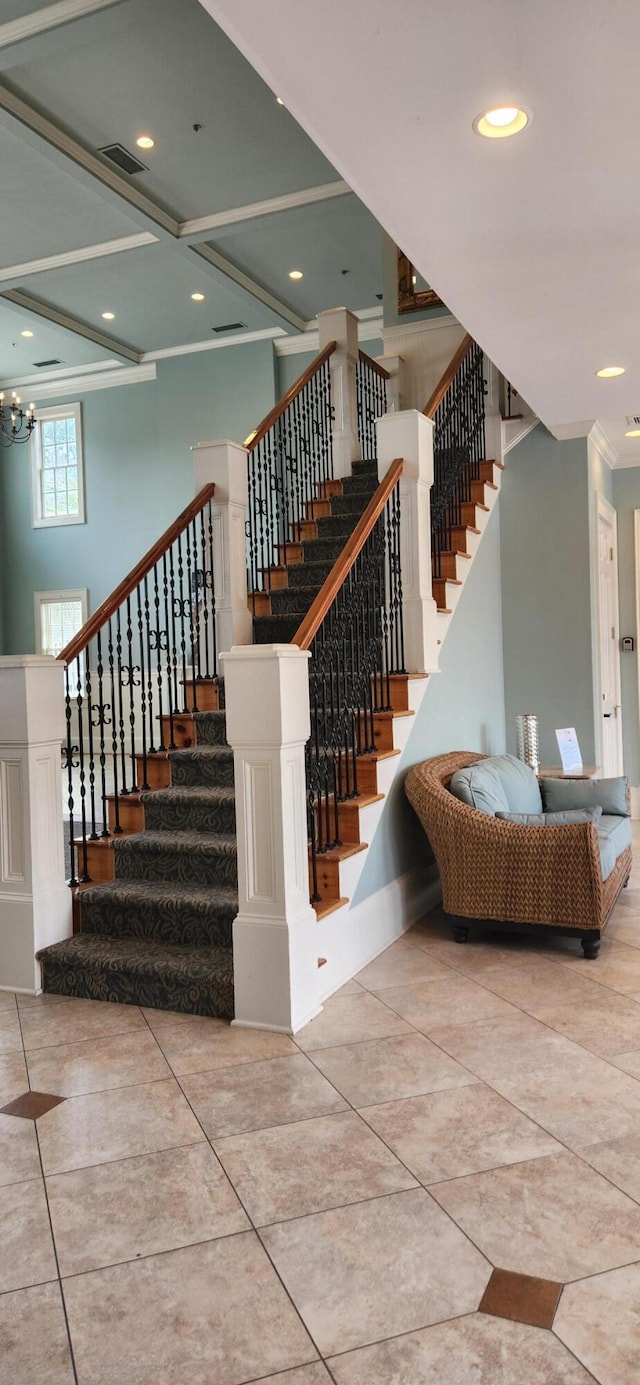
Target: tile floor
x,y
436,1183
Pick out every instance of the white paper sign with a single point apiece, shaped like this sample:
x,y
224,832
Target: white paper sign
x,y
569,749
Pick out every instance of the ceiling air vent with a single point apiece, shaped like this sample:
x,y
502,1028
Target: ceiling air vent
x,y
229,327
54,361
633,420
124,160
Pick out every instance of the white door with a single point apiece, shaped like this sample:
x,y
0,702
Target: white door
x,y
608,641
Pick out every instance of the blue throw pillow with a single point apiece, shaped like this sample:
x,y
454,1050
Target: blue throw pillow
x,y
571,815
610,794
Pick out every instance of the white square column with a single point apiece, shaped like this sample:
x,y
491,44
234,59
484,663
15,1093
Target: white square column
x,y
35,900
409,434
341,326
275,935
226,464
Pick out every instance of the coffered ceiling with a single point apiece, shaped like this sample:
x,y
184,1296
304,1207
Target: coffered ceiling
x,y
226,209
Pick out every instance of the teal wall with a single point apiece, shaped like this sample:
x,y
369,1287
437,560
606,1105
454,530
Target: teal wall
x,y
462,709
138,476
626,498
546,573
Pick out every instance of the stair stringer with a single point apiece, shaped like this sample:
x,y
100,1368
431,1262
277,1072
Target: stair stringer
x,y
358,931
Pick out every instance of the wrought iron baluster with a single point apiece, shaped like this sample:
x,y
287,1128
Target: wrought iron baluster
x,y
121,727
210,576
114,726
81,771
131,670
92,770
143,690
69,768
104,719
169,616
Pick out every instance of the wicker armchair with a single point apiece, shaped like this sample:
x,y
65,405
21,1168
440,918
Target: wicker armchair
x,y
507,875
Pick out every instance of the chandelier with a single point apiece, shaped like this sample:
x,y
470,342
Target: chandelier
x,y
16,423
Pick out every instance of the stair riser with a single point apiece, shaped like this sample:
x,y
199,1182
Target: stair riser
x,y
127,989
184,732
201,773
185,928
135,860
211,728
202,696
130,815
100,863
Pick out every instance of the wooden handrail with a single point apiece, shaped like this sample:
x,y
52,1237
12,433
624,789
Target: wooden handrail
x,y
451,370
108,608
344,563
379,369
258,433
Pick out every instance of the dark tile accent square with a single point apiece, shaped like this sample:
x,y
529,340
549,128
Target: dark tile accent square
x,y
31,1105
521,1297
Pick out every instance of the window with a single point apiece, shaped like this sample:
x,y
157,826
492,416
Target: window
x,y
59,616
57,490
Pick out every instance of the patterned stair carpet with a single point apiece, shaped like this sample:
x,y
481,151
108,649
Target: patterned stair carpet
x,y
290,604
160,933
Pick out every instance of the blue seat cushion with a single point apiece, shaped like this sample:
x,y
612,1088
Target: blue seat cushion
x,y
614,836
499,784
571,816
611,794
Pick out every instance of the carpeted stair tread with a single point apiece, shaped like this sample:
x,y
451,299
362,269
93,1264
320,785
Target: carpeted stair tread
x,y
309,573
181,913
176,857
323,550
190,807
134,971
337,526
290,599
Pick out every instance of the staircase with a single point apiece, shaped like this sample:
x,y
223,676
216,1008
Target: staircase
x,y
156,888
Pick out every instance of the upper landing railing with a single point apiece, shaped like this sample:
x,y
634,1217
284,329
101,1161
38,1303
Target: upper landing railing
x,y
457,407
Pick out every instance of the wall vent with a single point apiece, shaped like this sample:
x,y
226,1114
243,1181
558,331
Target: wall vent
x,y
633,420
54,361
229,327
124,160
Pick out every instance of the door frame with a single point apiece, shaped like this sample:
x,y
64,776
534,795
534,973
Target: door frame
x,y
607,512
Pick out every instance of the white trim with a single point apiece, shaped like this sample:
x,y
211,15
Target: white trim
x,y
85,252
322,193
607,512
411,329
369,329
23,380
99,380
564,432
603,445
38,520
514,431
49,17
239,339
80,594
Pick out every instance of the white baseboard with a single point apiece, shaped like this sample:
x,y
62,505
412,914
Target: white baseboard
x,y
356,934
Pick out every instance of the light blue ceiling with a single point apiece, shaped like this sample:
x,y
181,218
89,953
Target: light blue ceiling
x,y
44,210
149,290
161,66
18,354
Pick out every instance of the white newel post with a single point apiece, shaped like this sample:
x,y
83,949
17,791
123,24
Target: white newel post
x,y
275,946
225,463
341,326
35,901
409,435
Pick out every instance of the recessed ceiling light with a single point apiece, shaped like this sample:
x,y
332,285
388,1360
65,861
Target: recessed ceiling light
x,y
108,317
279,100
295,273
609,371
198,297
26,334
145,142
501,121
632,433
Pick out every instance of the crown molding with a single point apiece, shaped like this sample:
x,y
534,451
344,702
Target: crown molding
x,y
270,205
49,17
238,339
604,446
84,252
64,372
98,380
